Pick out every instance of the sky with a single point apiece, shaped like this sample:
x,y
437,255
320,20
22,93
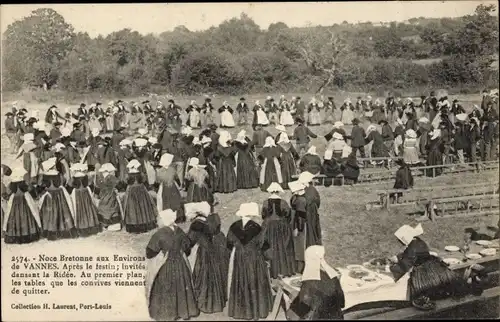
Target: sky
x,y
156,18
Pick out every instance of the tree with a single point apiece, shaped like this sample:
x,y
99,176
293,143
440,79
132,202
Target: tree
x,y
277,26
38,43
321,56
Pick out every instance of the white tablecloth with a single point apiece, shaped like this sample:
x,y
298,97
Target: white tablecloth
x,y
357,291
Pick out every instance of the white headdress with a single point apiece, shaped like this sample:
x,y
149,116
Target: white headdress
x,y
275,187
328,154
338,125
224,137
305,177
28,137
312,150
142,131
140,142
107,167
241,137
312,258
193,209
250,209
410,133
17,174
195,163
153,140
166,159
337,136
406,233
269,142
125,142
280,128
283,138
296,187
166,218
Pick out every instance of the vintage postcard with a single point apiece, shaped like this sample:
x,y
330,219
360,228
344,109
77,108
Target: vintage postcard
x,y
250,161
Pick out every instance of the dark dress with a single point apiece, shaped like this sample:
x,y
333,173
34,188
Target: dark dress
x,y
350,170
430,276
197,186
404,180
168,191
379,149
423,134
434,157
87,219
277,231
269,156
331,169
247,176
22,222
287,162
305,220
109,208
318,300
56,210
310,163
139,210
172,295
210,270
225,163
250,294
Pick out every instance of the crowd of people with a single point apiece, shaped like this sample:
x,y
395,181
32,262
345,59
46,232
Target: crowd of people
x,y
75,180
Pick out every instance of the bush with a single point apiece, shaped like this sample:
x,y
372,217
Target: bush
x,y
202,71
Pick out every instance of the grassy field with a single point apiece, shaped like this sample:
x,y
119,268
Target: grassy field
x,y
351,234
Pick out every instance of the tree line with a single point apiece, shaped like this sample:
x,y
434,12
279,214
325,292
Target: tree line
x,y
239,57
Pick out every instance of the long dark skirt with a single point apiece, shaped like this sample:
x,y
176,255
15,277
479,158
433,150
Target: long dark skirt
x,y
208,279
226,177
108,209
247,176
434,158
171,198
270,175
140,211
278,233
55,214
196,193
435,280
288,168
250,293
87,219
172,295
22,227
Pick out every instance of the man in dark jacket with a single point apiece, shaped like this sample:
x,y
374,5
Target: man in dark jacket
x,y
358,138
302,136
11,130
490,123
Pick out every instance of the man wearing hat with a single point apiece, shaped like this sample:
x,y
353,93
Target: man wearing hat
x,y
53,115
11,131
206,112
490,132
77,134
302,135
242,109
358,136
300,108
273,112
329,110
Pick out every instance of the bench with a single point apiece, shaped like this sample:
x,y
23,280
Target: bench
x,y
374,177
458,203
441,306
416,195
320,178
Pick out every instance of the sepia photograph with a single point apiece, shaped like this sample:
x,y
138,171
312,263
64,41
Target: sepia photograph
x,y
250,161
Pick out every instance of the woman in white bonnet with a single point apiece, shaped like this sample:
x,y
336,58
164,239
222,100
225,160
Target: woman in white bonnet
x,y
430,278
321,296
109,208
211,257
21,224
277,231
225,162
247,176
250,295
169,287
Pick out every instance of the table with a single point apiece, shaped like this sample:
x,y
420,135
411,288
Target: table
x,y
384,289
474,248
355,291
